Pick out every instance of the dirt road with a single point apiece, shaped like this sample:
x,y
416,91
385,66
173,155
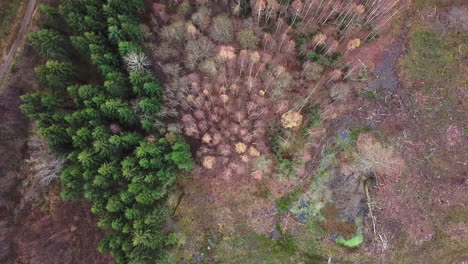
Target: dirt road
x,y
19,39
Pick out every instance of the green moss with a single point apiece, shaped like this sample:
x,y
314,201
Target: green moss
x,y
355,241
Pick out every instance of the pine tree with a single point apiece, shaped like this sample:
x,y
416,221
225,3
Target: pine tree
x,y
82,138
181,156
118,110
54,19
56,75
50,44
55,134
36,104
149,105
110,163
116,84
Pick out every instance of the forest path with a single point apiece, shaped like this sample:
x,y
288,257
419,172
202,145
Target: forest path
x,y
19,39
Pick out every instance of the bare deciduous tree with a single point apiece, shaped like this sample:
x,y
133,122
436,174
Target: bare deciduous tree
x,y
137,61
222,29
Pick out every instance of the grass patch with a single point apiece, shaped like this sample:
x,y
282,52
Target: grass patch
x,y
455,215
253,248
313,116
9,10
370,95
440,249
419,4
354,133
434,58
262,191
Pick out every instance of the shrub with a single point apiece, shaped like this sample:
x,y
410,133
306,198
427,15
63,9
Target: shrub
x,y
244,8
285,169
56,75
248,39
175,32
209,67
276,135
312,71
222,29
285,202
201,18
184,8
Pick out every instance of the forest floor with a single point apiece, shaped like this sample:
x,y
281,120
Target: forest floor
x,y
412,109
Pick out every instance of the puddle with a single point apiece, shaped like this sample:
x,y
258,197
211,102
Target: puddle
x,y
385,80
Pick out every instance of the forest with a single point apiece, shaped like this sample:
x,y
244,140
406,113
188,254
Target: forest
x,y
104,109
100,109
252,131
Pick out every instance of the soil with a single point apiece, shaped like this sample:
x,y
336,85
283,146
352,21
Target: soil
x,y
66,233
